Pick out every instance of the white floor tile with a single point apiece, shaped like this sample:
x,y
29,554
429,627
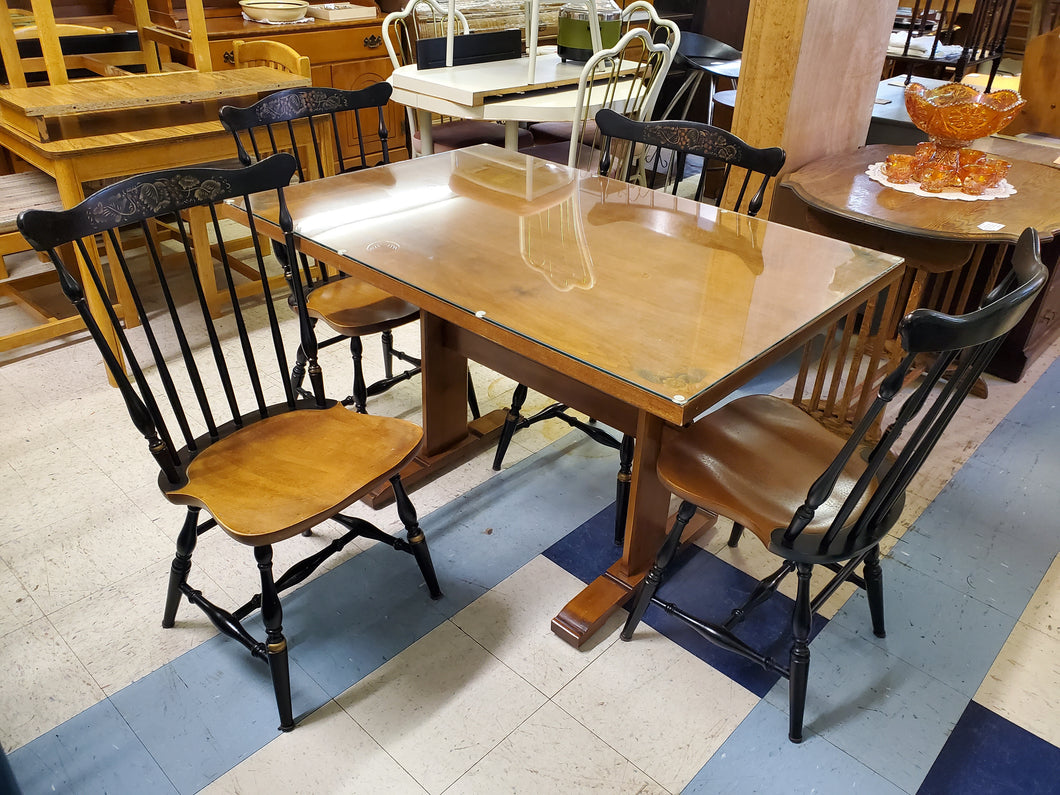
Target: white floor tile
x,y
441,705
328,753
117,632
43,684
552,752
663,709
17,609
1023,684
513,622
78,556
1043,611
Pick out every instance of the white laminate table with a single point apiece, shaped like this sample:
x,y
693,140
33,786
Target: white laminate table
x,y
494,91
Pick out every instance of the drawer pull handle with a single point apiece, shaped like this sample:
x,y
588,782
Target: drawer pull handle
x,y
373,41
230,57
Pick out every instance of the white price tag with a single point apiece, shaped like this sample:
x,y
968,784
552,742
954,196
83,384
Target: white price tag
x,y
990,226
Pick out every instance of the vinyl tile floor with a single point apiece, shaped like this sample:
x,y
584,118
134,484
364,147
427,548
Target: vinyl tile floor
x,y
473,693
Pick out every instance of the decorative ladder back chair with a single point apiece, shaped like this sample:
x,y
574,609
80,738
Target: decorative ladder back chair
x,y
753,461
656,154
312,123
421,19
213,402
933,40
627,78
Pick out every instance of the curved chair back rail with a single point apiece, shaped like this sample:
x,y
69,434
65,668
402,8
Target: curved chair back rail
x,y
274,54
212,400
657,153
268,126
750,459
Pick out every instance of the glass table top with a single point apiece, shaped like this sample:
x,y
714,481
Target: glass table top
x,y
663,293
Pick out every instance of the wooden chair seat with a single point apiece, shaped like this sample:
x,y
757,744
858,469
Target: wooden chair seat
x,y
459,133
354,308
766,440
282,475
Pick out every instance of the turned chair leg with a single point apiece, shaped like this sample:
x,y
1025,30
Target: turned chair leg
x,y
178,572
275,642
799,668
625,478
388,353
511,422
874,590
646,590
359,397
416,539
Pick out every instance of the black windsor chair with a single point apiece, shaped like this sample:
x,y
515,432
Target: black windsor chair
x,y
753,461
312,124
213,400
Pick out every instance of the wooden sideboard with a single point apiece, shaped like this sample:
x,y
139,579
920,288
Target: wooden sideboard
x,y
347,55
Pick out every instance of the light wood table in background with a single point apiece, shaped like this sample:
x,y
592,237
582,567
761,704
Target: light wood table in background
x,y
107,128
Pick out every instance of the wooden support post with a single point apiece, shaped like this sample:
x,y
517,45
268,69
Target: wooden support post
x,y
809,76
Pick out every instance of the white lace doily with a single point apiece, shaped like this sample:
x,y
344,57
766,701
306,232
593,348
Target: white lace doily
x,y
999,191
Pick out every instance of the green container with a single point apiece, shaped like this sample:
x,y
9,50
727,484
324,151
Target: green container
x,y
574,38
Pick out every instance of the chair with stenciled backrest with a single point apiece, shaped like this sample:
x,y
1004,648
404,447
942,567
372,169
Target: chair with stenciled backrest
x,y
421,19
627,77
313,124
212,400
657,154
814,497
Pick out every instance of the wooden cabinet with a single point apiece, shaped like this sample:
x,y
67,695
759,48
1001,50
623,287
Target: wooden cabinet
x,y
347,55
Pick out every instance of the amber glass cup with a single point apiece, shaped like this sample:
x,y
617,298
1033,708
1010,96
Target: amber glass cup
x,y
935,180
899,168
967,157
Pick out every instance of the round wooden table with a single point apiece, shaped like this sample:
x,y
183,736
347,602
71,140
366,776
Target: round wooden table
x,y
954,250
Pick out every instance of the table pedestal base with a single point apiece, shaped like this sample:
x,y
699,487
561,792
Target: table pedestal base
x,y
482,433
590,609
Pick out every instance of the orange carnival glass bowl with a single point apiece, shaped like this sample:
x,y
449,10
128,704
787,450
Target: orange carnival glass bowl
x,y
954,115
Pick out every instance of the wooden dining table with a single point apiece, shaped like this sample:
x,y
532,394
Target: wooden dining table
x,y
639,308
88,131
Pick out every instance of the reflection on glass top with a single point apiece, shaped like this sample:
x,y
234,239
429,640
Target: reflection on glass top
x,y
664,293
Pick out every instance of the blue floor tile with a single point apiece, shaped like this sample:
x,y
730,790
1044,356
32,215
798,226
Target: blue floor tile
x,y
710,588
588,550
208,710
981,539
700,583
94,752
885,713
986,753
758,758
947,634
